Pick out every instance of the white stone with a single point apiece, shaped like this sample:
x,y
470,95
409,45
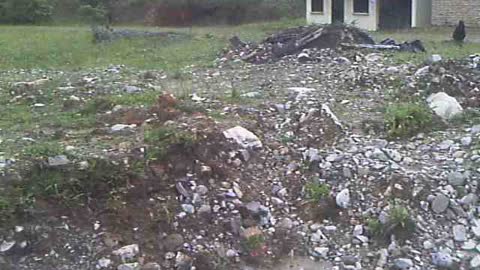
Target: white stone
x,y
127,252
128,266
343,198
103,263
444,105
442,259
475,262
321,251
6,246
243,137
459,233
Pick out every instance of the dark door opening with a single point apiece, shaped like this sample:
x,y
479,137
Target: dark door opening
x,y
338,11
395,14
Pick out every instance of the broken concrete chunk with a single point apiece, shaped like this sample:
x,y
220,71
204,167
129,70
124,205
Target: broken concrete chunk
x,y
243,137
56,161
127,252
444,105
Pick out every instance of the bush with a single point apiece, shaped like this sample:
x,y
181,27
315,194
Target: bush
x,y
407,119
26,11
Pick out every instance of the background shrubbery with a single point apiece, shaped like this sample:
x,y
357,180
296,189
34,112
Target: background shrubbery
x,y
153,12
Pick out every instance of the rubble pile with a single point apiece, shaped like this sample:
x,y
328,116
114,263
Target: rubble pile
x,y
262,167
294,41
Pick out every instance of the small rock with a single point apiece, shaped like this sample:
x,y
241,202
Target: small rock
x,y
434,58
285,223
201,189
183,262
151,266
442,259
231,253
459,233
476,231
205,209
440,203
57,161
173,242
6,246
243,137
303,57
132,89
403,264
456,179
120,127
343,198
128,266
127,252
188,208
321,252
349,260
466,141
103,263
475,262
358,230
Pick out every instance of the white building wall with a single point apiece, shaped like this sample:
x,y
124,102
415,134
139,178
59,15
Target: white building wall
x,y
421,13
365,21
324,17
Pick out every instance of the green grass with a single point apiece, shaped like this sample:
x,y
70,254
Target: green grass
x,y
316,191
72,47
437,40
407,119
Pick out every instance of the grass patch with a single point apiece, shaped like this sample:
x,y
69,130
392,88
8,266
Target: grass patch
x,y
316,191
407,119
399,224
44,150
72,47
163,139
437,40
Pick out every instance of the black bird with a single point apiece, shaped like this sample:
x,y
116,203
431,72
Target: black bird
x,y
459,34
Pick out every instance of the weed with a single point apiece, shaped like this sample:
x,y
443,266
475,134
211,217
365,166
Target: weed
x,y
162,139
254,242
399,224
316,191
406,119
469,116
43,150
374,227
98,105
69,186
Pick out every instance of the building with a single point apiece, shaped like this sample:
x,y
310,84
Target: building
x,y
372,14
449,12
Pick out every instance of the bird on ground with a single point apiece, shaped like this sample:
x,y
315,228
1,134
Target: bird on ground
x,y
459,34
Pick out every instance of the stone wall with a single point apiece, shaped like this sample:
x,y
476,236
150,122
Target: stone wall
x,y
449,12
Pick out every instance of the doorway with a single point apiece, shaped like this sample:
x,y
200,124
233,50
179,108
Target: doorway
x,y
395,14
338,11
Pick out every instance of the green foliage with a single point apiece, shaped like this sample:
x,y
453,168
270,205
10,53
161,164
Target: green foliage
x,y
93,15
71,186
254,243
26,11
316,191
374,227
399,224
163,139
406,119
43,150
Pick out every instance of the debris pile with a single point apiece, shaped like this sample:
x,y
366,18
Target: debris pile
x,y
293,41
